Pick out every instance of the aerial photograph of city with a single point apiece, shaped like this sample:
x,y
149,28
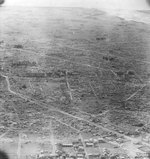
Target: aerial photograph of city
x,y
74,79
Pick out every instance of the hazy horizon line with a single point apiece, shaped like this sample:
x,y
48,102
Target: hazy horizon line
x,y
82,7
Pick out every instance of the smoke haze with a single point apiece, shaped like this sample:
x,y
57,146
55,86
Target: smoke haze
x,y
112,4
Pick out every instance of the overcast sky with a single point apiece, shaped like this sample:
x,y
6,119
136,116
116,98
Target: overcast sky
x,y
119,4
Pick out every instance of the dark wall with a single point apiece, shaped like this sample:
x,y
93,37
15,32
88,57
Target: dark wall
x,y
2,1
148,1
3,155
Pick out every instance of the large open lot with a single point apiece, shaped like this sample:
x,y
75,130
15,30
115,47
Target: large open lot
x,y
73,82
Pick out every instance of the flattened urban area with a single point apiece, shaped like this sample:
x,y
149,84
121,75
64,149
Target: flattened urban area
x,y
74,84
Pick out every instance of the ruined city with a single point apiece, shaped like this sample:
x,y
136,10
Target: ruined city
x,y
74,84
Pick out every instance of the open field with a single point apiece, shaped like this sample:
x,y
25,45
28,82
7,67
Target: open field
x,y
73,82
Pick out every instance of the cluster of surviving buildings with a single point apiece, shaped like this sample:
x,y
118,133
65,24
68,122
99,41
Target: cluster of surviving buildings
x,y
79,148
